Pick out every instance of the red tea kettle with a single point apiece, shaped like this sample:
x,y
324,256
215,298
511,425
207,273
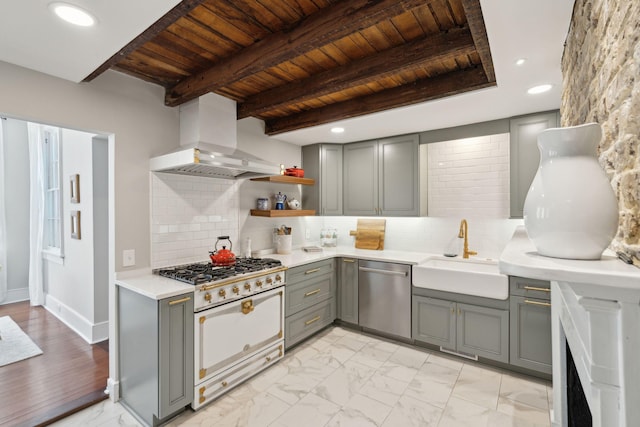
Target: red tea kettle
x,y
223,257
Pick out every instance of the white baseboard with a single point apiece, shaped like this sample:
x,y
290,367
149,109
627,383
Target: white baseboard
x,y
16,295
113,389
90,332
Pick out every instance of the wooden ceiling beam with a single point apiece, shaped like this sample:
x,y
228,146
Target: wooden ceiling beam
x,y
363,71
420,91
181,9
475,20
319,29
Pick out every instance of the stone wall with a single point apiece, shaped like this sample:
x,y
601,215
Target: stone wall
x,y
601,74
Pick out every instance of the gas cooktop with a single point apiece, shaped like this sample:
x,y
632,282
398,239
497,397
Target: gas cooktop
x,y
205,272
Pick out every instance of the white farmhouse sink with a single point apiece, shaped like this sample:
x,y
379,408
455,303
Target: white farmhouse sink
x,y
478,277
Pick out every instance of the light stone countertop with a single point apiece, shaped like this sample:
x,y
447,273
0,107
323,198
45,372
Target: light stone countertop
x,y
520,258
151,285
156,287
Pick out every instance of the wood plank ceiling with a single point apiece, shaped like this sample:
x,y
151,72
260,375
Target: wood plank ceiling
x,y
301,63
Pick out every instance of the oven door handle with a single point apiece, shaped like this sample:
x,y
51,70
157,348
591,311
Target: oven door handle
x,y
247,306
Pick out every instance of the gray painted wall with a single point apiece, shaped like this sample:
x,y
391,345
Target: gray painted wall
x,y
16,174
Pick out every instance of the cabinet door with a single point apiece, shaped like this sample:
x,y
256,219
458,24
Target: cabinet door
x,y
398,175
531,334
176,354
434,321
524,154
483,331
348,298
361,178
331,180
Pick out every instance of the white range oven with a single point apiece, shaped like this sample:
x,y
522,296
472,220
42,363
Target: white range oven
x,y
238,321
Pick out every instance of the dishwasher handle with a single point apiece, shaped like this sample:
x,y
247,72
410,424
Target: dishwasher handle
x,y
389,272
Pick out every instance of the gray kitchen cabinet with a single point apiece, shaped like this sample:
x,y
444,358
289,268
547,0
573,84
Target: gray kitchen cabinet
x,y
156,355
323,162
434,321
460,327
530,324
310,301
524,154
381,177
348,290
360,178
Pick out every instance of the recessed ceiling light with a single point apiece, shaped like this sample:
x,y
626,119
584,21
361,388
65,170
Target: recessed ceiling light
x,y
521,61
337,130
72,14
539,89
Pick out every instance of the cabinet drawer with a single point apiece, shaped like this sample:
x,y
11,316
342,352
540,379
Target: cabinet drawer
x,y
531,334
308,293
308,271
209,390
530,288
309,321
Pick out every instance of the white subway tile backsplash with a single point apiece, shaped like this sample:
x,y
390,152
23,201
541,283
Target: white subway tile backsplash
x,y
188,214
469,177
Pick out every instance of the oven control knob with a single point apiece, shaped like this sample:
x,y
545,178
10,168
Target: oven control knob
x,y
247,286
259,283
236,290
269,280
207,297
222,293
278,278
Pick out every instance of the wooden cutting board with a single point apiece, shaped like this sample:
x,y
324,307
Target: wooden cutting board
x,y
370,234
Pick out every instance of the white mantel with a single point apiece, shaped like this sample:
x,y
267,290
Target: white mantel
x,y
595,307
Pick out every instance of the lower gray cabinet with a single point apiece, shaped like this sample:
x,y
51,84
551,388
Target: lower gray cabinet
x,y
310,302
483,331
348,290
434,321
530,324
463,328
156,355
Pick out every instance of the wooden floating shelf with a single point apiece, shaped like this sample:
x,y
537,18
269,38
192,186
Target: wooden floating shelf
x,y
285,179
283,212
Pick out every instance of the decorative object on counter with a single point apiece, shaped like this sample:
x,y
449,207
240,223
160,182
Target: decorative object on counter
x,y
329,237
75,225
262,204
247,248
282,239
280,199
295,171
369,234
294,204
312,249
570,210
223,257
282,169
74,191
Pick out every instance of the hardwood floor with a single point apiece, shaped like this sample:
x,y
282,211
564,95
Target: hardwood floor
x,y
68,376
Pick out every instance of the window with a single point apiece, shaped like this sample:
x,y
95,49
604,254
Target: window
x,y
52,169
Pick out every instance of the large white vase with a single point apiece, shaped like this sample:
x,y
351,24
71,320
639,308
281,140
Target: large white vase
x,y
570,210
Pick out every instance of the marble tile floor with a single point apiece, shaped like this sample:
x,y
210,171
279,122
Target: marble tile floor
x,y
342,378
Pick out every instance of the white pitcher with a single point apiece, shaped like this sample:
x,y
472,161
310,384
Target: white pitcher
x,y
570,210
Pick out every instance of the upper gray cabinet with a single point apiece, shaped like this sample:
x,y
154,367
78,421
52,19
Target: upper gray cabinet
x,y
323,162
524,153
382,177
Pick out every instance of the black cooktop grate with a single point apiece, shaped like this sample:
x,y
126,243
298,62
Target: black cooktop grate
x,y
205,272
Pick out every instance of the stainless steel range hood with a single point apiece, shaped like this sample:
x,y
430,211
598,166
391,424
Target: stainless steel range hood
x,y
208,144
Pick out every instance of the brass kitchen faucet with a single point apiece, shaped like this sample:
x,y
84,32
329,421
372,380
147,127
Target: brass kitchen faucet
x,y
464,231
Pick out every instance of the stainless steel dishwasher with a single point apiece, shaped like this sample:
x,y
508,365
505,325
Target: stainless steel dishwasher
x,y
384,297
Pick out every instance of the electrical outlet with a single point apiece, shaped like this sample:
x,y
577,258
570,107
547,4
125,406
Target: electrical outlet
x,y
128,257
307,234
